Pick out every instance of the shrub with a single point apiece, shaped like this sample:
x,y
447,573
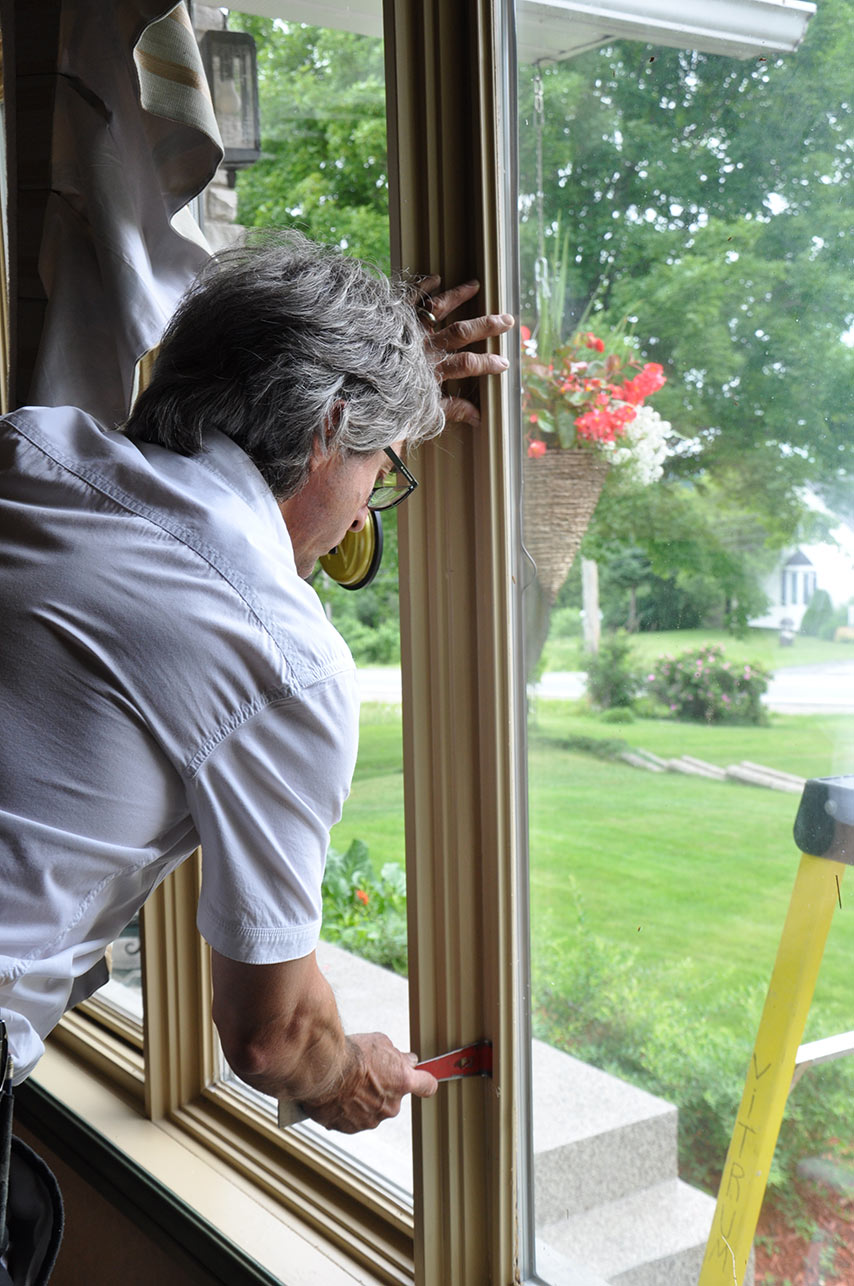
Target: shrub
x,y
818,619
371,645
618,714
612,679
566,623
593,1000
703,685
364,912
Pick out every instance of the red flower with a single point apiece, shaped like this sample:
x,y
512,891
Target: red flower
x,y
525,333
592,341
362,897
536,449
647,382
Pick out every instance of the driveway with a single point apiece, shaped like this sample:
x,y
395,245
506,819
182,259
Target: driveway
x,y
797,689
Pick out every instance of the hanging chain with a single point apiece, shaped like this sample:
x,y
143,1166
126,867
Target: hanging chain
x,y
541,264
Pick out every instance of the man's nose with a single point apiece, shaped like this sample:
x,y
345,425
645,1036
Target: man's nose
x,y
361,518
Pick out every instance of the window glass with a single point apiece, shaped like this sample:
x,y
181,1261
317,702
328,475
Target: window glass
x,y
687,313
323,171
124,990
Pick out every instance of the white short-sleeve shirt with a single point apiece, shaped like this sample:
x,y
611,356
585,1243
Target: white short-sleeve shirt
x,y
166,679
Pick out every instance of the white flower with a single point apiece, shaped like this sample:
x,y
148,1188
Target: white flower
x,y
642,447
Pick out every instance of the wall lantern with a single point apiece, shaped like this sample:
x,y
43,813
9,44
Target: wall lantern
x,y
229,62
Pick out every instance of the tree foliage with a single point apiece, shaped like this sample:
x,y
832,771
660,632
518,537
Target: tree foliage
x,y
324,164
708,199
704,199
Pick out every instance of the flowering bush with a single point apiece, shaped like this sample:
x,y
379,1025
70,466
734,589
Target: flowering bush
x,y
704,685
590,394
364,912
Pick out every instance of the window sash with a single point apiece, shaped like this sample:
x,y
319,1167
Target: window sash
x,y
450,121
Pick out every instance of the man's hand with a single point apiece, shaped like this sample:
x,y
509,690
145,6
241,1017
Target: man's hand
x,y
458,362
374,1084
280,1032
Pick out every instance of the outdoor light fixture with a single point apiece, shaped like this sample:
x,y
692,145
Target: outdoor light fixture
x,y
229,62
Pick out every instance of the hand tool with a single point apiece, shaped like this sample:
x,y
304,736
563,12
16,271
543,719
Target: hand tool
x,y
469,1060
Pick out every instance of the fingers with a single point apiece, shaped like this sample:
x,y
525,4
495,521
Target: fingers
x,y
458,410
453,340
423,1085
467,365
460,334
448,301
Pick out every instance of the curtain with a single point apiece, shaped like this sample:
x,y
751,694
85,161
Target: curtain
x,y
134,139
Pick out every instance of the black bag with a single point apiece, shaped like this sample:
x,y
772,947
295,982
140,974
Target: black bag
x,y
31,1216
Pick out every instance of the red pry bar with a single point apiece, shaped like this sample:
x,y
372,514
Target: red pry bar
x,y
471,1060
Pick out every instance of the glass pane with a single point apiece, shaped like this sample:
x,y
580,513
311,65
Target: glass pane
x,y
324,171
124,989
688,307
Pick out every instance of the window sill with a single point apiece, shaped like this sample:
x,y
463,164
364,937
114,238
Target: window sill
x,y
173,1181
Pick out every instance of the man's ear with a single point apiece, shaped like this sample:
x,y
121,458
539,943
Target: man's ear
x,y
319,453
322,447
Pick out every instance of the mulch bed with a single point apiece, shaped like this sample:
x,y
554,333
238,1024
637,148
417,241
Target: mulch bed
x,y
816,1250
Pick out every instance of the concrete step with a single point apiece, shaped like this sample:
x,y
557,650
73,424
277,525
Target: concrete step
x,y
652,1238
596,1138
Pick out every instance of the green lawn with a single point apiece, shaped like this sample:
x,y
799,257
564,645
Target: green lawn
x,y
374,811
811,745
757,645
691,874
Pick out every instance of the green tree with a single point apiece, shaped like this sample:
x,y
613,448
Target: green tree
x,y
707,200
705,553
324,164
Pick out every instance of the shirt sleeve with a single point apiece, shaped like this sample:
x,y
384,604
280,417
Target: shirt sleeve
x,y
263,802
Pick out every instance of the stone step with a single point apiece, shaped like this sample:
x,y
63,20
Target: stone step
x,y
792,778
596,1138
761,777
652,1238
707,769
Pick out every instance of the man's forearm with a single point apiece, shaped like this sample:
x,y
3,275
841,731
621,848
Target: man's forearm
x,y
281,1033
285,1037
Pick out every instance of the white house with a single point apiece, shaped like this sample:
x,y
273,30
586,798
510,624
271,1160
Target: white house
x,y
800,571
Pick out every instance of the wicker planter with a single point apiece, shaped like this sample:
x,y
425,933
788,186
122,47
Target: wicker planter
x,y
562,489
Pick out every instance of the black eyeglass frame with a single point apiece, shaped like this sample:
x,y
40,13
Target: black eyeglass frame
x,y
401,469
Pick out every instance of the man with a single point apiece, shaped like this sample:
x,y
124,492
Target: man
x,y
170,679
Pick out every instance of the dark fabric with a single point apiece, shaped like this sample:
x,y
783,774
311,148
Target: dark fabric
x,y
34,1219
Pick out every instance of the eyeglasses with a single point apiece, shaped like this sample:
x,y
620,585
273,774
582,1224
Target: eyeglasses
x,y
394,486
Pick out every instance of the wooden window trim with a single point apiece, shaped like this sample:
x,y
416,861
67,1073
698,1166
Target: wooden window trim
x,y
459,630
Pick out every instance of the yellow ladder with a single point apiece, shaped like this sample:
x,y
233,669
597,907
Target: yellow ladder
x,y
824,832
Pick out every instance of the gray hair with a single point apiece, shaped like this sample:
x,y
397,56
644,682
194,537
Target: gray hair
x,y
284,343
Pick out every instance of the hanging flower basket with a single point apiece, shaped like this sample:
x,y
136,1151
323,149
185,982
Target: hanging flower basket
x,y
562,489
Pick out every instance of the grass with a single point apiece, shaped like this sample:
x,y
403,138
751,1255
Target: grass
x,y
760,646
811,745
688,872
374,811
